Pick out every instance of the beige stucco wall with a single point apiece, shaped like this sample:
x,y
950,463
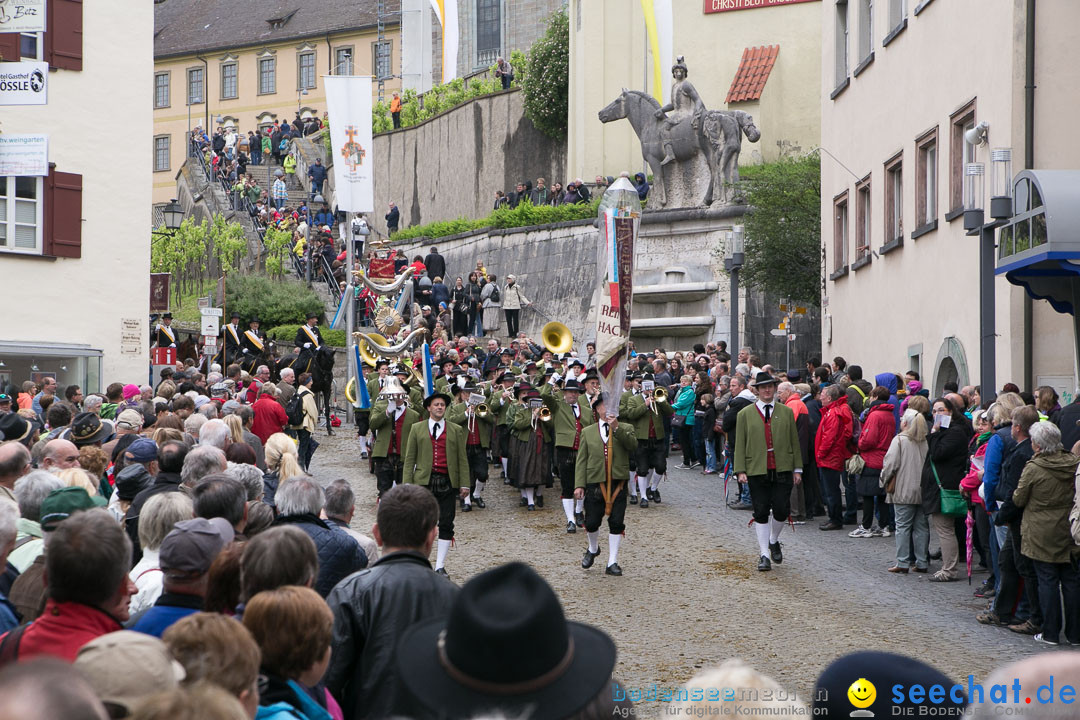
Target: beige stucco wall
x,y
82,301
926,291
249,104
604,31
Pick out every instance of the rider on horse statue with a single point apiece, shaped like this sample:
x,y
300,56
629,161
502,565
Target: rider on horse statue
x,y
685,103
308,341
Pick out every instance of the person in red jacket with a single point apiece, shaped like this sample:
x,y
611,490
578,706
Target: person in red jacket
x,y
878,430
89,590
831,450
270,417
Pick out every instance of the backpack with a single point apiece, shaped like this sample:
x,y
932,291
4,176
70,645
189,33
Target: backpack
x,y
294,410
495,297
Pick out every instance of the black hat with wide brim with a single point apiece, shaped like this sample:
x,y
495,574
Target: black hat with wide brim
x,y
505,646
437,396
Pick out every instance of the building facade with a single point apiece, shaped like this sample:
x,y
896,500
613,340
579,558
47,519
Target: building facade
x,y
761,60
906,87
73,248
246,63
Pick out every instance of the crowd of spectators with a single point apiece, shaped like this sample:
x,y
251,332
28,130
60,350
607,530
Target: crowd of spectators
x,y
574,192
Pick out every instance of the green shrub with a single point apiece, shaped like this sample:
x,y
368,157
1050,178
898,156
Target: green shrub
x,y
546,78
274,302
285,334
524,215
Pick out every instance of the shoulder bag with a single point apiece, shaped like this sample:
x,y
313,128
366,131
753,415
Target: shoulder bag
x,y
953,503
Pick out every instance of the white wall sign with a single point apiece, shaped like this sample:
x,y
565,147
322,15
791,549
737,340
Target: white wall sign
x,y
24,154
24,83
132,337
22,16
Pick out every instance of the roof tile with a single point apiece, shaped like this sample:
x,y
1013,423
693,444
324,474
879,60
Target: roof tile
x,y
753,73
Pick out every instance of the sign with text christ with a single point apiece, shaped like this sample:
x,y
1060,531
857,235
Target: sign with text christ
x,y
716,6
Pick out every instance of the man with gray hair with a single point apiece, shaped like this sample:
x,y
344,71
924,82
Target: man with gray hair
x,y
741,396
14,463
215,433
92,404
339,509
287,386
9,519
193,425
203,460
250,477
299,502
30,490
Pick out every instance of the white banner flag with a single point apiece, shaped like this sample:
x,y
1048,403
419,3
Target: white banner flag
x,y
348,102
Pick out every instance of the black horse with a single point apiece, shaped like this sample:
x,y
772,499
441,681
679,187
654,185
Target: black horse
x,y
321,367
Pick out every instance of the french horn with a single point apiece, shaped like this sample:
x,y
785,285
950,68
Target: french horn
x,y
384,289
382,350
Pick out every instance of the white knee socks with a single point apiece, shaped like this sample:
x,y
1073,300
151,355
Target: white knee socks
x,y
568,508
363,443
594,542
468,499
579,506
479,491
440,557
655,481
613,548
642,484
530,495
762,530
775,526
504,460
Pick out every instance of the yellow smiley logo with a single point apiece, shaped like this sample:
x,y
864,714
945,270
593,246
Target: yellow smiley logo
x,y
862,693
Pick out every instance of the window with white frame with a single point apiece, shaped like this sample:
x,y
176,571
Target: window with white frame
x,y
267,76
866,29
30,46
961,152
21,214
343,61
897,13
306,70
229,73
894,199
161,153
862,219
926,182
841,42
161,90
840,232
196,85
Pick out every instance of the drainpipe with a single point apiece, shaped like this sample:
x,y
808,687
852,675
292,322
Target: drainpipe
x,y
330,56
206,93
1029,163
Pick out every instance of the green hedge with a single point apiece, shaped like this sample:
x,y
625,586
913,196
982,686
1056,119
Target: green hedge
x,y
287,333
524,215
274,302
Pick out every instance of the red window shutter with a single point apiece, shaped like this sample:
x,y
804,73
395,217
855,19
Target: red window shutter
x,y
63,215
63,34
9,47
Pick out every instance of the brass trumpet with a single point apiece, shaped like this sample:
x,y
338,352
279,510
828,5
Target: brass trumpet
x,y
660,395
545,415
482,410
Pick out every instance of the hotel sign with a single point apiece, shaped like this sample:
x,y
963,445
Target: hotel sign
x,y
716,6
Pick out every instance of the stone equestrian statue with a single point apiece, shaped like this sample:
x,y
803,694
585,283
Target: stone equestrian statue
x,y
675,135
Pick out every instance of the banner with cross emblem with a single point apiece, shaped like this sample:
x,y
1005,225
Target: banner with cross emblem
x,y
348,102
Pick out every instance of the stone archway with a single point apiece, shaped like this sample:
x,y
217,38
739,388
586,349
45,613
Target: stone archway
x,y
951,365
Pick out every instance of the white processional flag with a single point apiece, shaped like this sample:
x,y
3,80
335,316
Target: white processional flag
x,y
446,12
348,102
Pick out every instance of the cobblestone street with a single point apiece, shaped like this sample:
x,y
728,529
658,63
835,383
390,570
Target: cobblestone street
x,y
691,596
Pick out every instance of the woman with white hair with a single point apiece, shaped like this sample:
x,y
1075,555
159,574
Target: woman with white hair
x,y
156,520
1045,492
901,476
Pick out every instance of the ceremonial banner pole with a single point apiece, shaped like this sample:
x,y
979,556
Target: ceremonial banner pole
x,y
348,104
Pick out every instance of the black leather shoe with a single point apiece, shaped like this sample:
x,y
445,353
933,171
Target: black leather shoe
x,y
656,496
531,508
539,501
524,502
571,527
479,502
644,503
613,569
830,526
777,555
442,571
579,517
633,500
587,560
466,507
764,564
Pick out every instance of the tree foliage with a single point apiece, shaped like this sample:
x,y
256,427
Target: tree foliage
x,y
197,252
783,233
546,78
273,302
278,246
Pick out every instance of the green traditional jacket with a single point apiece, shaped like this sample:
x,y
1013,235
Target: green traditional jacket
x,y
522,427
381,424
591,464
562,415
456,414
639,414
419,455
751,453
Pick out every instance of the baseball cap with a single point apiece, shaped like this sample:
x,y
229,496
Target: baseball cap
x,y
130,419
193,544
125,666
61,504
5,398
143,450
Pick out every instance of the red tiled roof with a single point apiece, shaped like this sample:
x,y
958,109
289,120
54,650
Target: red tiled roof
x,y
754,69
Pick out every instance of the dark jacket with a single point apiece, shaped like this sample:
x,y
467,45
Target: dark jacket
x,y
436,266
439,294
164,482
339,554
317,173
729,420
371,609
947,452
1067,419
1008,480
392,219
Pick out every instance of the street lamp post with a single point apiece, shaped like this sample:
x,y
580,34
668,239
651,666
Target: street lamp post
x,y
733,261
975,225
173,214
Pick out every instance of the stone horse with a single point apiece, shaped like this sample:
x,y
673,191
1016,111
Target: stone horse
x,y
321,367
718,137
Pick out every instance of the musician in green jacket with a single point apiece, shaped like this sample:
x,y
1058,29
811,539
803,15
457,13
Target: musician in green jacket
x,y
647,414
435,458
769,458
501,401
391,418
570,418
477,439
606,438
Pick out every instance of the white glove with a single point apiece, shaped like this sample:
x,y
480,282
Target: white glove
x,y
571,374
245,351
391,408
554,379
173,345
307,345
